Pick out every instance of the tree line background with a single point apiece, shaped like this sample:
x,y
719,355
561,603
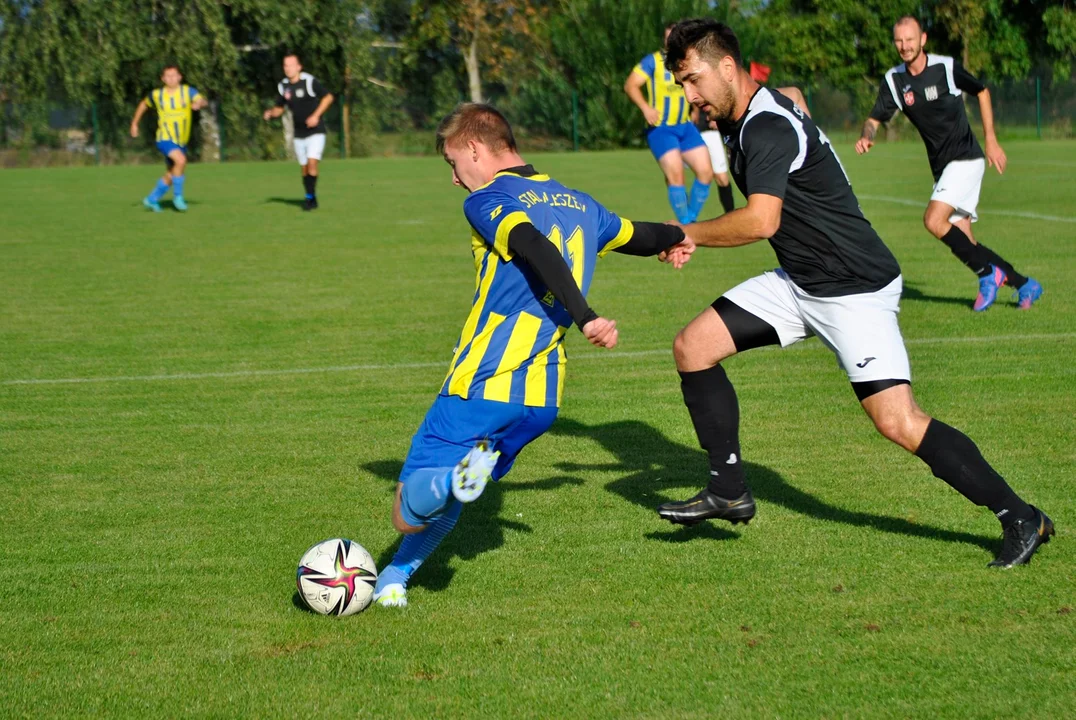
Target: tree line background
x,y
72,71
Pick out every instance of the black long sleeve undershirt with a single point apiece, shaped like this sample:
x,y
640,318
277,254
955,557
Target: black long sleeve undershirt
x,y
651,239
534,248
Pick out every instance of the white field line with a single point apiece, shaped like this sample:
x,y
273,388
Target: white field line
x,y
614,355
1008,213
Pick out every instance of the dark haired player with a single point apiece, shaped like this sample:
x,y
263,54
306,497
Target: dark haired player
x,y
836,280
929,90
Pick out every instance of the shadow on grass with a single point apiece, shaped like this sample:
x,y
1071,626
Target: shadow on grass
x,y
911,292
657,466
480,528
297,202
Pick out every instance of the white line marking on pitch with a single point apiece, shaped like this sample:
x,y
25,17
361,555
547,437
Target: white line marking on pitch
x,y
1010,213
442,364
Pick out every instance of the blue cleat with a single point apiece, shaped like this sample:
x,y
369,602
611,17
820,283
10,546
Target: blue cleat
x,y
179,203
1028,293
151,204
988,288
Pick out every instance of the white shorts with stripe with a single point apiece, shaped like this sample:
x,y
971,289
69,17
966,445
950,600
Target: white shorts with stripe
x,y
309,148
716,146
861,329
959,186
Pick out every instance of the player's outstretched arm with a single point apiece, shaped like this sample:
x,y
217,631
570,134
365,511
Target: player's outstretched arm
x,y
994,154
759,220
648,239
273,112
866,138
139,112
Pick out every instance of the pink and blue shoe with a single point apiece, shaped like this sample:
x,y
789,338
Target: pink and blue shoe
x,y
988,288
1028,293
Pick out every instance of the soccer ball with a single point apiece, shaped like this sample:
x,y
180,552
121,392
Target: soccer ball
x,y
336,577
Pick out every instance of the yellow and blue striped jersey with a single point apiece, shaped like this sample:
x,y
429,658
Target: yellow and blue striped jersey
x,y
662,92
510,349
173,113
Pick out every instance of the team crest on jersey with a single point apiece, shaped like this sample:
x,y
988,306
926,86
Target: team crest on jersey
x,y
909,98
299,93
931,93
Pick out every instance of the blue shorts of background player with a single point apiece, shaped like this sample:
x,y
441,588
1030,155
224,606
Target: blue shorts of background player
x,y
453,429
682,137
166,147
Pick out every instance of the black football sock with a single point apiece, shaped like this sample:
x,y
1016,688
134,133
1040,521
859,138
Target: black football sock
x,y
1013,278
310,183
715,412
724,192
966,251
954,457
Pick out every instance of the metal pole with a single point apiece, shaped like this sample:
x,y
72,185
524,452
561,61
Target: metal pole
x,y
96,135
809,98
1038,106
575,121
343,132
220,131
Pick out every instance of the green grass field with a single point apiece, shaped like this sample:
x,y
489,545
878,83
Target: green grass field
x,y
187,402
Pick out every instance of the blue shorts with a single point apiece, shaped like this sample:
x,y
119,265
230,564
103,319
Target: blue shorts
x,y
682,137
453,426
167,146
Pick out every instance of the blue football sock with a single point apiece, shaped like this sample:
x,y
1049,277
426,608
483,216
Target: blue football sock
x,y
159,191
425,494
678,200
416,548
699,193
177,185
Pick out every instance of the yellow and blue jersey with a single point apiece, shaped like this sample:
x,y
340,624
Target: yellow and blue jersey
x,y
173,113
511,348
662,92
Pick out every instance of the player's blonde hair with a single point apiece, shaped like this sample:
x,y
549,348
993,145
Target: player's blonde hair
x,y
479,122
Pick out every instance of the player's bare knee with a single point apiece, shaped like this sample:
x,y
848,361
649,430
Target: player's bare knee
x,y
705,176
674,177
937,224
691,353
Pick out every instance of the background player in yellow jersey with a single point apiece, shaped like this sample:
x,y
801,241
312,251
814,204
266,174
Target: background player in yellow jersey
x,y
535,243
174,103
672,136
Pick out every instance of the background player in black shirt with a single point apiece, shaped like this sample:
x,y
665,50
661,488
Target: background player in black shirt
x,y
308,100
836,280
928,89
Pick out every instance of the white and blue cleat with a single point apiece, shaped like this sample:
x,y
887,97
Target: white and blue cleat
x,y
393,595
471,474
151,204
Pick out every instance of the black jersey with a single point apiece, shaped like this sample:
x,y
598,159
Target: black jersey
x,y
303,98
933,103
824,243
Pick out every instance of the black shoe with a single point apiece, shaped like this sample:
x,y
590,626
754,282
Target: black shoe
x,y
310,204
707,506
1022,539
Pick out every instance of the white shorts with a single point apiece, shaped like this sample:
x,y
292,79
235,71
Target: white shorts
x,y
860,329
713,141
958,187
309,148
